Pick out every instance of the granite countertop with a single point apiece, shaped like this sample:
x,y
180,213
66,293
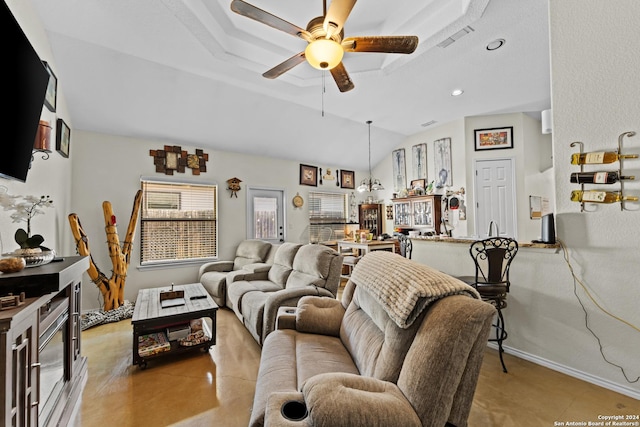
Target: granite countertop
x,y
468,240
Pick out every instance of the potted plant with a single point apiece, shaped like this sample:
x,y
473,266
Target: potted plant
x,y
25,211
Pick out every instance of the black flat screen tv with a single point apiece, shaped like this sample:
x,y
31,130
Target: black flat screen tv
x,y
25,85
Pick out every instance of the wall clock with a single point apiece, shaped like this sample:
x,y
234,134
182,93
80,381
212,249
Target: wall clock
x,y
298,201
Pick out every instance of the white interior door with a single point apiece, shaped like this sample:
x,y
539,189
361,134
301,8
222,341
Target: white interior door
x,y
265,215
495,197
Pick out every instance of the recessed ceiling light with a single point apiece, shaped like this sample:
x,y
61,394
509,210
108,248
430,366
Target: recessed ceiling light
x,y
457,92
496,44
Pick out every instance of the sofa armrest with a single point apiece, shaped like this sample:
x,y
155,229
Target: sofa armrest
x,y
340,399
287,297
286,409
286,318
319,315
257,267
221,266
245,275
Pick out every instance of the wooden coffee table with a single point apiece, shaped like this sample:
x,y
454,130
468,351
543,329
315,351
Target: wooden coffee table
x,y
150,317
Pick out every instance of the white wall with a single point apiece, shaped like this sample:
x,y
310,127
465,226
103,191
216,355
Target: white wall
x,y
111,168
531,151
46,177
595,96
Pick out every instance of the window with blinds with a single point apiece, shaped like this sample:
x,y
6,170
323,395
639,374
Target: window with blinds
x,y
178,222
327,216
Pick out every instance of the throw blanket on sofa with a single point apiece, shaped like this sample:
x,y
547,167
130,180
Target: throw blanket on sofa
x,y
403,287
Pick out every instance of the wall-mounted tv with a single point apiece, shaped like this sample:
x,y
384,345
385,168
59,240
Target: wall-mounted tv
x,y
25,84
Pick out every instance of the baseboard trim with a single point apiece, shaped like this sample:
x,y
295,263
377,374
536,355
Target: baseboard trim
x,y
569,371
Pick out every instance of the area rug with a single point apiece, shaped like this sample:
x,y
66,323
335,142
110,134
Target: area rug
x,y
99,317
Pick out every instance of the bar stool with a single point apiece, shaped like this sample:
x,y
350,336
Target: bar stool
x,y
492,258
406,246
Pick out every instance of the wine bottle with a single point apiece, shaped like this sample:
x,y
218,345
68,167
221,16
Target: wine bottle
x,y
599,157
594,196
598,177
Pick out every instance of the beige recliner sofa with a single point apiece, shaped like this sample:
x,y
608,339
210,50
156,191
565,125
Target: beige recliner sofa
x,y
296,271
403,348
251,255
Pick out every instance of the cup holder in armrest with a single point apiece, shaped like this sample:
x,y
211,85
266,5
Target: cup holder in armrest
x,y
294,410
290,310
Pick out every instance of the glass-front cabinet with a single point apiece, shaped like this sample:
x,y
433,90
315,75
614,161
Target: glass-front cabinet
x,y
401,213
418,212
371,218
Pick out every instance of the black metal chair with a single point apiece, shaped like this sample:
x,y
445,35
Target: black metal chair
x,y
492,258
406,246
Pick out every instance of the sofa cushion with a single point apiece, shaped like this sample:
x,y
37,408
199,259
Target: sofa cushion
x,y
250,251
311,266
252,308
236,292
283,263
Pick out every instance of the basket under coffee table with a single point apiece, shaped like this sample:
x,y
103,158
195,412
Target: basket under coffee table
x,y
150,317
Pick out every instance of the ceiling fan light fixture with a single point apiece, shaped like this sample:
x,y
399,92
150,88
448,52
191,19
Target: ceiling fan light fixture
x,y
324,54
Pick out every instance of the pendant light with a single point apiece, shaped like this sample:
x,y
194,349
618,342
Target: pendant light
x,y
369,184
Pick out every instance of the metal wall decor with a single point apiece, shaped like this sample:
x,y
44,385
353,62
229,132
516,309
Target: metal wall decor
x,y
399,170
419,161
442,162
173,159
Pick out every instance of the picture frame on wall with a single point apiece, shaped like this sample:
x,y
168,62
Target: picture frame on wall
x,y
419,161
63,138
51,95
494,138
442,163
347,179
399,170
308,175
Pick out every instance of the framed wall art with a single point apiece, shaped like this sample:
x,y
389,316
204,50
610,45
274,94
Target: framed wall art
x,y
347,179
399,170
63,138
442,162
494,138
52,89
308,175
419,161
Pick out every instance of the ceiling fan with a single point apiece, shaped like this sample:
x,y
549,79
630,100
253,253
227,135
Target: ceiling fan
x,y
325,35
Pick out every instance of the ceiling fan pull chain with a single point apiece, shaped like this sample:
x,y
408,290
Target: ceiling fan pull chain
x,y
324,73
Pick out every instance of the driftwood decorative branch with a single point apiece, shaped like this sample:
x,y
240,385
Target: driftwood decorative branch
x,y
112,288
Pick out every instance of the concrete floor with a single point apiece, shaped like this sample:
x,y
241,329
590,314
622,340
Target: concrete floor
x,y
216,388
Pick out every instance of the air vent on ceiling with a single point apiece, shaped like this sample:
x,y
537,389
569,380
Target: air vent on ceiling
x,y
429,123
463,32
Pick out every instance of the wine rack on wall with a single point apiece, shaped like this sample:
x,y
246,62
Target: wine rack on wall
x,y
601,177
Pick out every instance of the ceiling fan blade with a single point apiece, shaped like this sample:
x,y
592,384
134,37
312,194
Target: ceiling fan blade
x,y
337,14
342,78
245,9
384,44
285,66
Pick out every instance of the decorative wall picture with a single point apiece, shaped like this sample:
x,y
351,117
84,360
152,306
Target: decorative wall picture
x,y
347,179
399,170
52,89
494,138
63,138
173,159
442,162
308,175
418,183
419,161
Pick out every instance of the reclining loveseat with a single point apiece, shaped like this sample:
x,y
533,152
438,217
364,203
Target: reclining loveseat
x,y
403,348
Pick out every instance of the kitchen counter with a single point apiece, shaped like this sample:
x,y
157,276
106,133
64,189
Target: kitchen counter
x,y
468,240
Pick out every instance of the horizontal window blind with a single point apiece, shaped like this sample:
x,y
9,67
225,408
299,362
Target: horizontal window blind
x,y
327,216
178,222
